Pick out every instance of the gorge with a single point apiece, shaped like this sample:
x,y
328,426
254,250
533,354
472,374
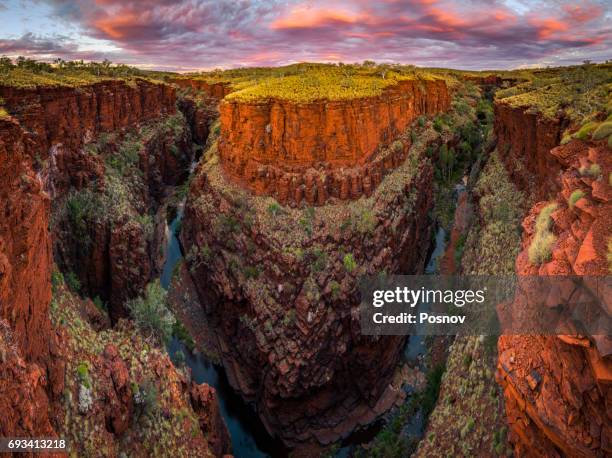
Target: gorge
x,y
180,258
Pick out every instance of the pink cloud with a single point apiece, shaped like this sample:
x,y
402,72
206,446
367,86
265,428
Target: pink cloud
x,y
206,34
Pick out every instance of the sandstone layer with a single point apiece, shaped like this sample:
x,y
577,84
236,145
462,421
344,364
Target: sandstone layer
x,y
44,364
59,120
280,289
319,150
558,389
524,140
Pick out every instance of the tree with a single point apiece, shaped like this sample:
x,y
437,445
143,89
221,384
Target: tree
x,y
150,313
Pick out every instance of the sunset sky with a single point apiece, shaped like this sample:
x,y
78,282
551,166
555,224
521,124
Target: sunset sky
x,y
203,34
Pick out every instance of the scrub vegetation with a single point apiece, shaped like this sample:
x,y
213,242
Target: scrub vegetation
x,y
28,73
311,82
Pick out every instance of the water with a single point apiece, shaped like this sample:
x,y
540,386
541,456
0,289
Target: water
x,y
249,437
173,250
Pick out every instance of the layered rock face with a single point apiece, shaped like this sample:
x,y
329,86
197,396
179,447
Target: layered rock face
x,y
25,247
524,139
27,340
42,362
280,287
558,389
59,120
316,151
60,125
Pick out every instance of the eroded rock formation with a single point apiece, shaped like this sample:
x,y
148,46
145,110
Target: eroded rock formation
x,y
44,365
524,140
315,151
558,389
279,283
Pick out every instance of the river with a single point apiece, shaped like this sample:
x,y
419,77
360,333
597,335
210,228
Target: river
x,y
249,436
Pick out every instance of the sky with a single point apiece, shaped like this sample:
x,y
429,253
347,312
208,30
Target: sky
x,y
191,35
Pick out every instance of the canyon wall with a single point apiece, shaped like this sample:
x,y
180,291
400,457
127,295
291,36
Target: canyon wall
x,y
524,140
314,151
25,245
558,389
279,285
44,364
28,344
113,259
214,90
60,120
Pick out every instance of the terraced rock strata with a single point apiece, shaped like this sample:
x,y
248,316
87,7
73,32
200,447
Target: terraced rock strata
x,y
558,389
316,151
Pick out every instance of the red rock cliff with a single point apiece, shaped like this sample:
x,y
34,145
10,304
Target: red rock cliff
x,y
27,341
524,139
558,389
59,120
25,247
293,151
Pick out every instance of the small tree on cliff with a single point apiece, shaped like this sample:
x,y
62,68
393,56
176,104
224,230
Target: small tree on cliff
x,y
151,314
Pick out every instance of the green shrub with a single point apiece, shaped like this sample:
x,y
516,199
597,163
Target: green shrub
x,y
274,209
585,131
99,304
469,426
150,313
73,282
604,130
397,146
127,156
349,262
540,250
320,260
251,272
180,332
146,399
83,374
81,208
334,286
57,280
365,222
438,124
575,197
593,171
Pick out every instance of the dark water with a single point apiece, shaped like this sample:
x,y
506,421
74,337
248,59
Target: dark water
x,y
249,437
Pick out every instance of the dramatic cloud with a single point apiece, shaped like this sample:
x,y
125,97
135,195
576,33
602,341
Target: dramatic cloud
x,y
199,34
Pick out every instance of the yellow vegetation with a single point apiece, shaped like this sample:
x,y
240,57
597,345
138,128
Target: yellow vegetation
x,y
310,82
540,250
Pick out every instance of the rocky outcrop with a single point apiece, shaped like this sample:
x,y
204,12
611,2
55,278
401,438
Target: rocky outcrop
x,y
206,406
280,289
29,349
558,389
25,246
60,120
315,151
215,91
524,140
23,396
123,395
